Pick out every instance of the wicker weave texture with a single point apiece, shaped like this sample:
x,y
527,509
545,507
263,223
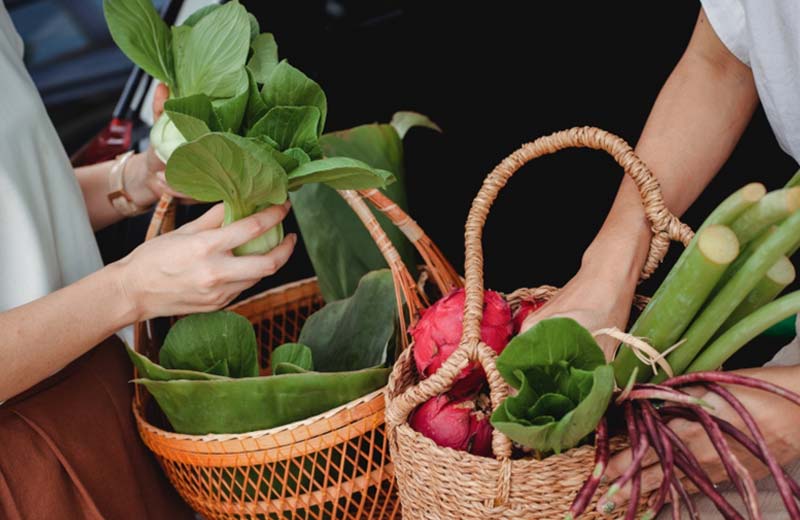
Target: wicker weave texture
x,y
334,465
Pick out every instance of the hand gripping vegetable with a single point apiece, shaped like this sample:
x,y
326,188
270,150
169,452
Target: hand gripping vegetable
x,y
240,126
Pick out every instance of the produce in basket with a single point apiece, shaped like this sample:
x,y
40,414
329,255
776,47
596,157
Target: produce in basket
x,y
208,378
438,333
460,423
240,126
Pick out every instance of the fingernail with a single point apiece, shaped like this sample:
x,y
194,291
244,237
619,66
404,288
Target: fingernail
x,y
607,507
294,237
287,204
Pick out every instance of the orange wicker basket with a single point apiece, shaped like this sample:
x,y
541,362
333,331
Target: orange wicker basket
x,y
438,483
334,465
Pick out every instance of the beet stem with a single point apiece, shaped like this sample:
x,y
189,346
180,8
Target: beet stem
x,y
665,455
636,481
666,394
732,379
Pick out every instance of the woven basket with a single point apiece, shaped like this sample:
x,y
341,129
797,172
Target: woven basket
x,y
438,483
334,465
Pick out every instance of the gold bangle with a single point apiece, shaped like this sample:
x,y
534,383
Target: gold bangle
x,y
119,198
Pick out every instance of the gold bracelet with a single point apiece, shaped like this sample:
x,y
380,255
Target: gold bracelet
x,y
119,198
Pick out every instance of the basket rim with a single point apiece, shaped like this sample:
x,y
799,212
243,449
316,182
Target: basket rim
x,y
257,434
272,291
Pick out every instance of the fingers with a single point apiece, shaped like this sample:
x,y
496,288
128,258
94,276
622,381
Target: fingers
x,y
256,267
620,462
211,219
160,96
246,229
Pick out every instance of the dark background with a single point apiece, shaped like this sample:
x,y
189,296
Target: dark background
x,y
494,75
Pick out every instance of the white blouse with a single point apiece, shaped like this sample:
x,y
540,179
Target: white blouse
x,y
46,240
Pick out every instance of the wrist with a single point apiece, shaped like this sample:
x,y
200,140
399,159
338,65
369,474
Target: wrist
x,y
136,176
618,252
128,304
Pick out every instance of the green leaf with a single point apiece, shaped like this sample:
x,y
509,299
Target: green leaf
x,y
550,343
404,121
142,35
255,29
264,58
256,108
289,127
200,342
295,353
180,33
257,403
287,368
198,15
215,53
340,247
149,370
287,86
192,115
230,111
547,433
217,167
341,173
354,333
564,386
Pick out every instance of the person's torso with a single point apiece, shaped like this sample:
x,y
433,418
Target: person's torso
x,y
46,241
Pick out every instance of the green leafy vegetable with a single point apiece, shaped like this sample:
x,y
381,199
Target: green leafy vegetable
x,y
356,332
404,121
221,343
564,386
340,247
339,173
257,403
294,353
288,86
142,35
265,57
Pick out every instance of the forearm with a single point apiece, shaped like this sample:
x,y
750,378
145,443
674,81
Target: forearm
x,y
696,121
93,181
43,336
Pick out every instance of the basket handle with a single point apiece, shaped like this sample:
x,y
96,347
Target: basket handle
x,y
664,224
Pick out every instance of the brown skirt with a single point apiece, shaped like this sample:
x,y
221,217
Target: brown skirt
x,y
69,448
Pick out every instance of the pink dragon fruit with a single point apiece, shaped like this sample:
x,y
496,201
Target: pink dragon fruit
x,y
457,423
526,308
438,333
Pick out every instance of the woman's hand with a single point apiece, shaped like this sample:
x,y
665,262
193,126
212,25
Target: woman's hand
x,y
777,419
192,269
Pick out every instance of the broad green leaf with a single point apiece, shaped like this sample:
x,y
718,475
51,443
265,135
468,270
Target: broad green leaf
x,y
287,86
300,156
198,15
295,353
404,121
340,247
201,341
289,127
216,167
341,173
556,342
142,35
180,33
192,115
257,403
215,53
264,58
548,433
149,370
256,108
255,29
287,368
230,111
354,333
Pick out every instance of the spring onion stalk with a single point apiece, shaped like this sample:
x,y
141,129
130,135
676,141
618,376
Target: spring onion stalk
x,y
733,293
744,255
768,288
745,330
774,207
794,181
676,303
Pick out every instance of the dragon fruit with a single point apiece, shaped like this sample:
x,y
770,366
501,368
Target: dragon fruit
x,y
438,333
526,308
458,423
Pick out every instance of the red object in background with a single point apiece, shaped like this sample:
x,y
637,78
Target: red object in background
x,y
525,309
112,140
456,423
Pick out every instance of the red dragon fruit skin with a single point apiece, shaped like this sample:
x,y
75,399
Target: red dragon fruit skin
x,y
438,333
454,423
526,308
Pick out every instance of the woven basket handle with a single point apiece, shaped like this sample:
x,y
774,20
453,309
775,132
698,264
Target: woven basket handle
x,y
665,226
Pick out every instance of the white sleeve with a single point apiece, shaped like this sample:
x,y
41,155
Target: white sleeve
x,y
727,18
